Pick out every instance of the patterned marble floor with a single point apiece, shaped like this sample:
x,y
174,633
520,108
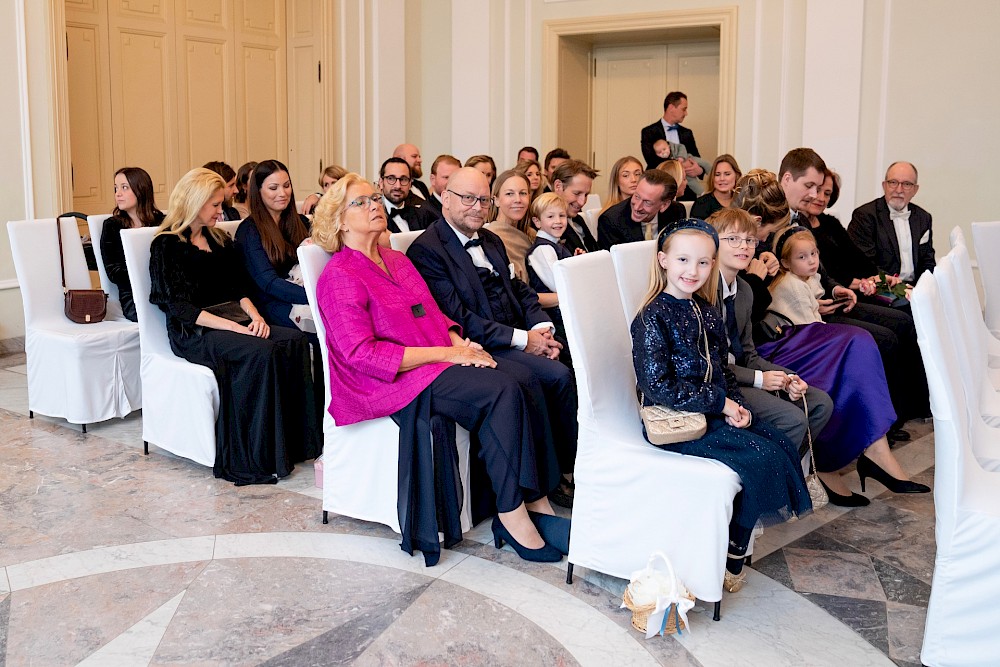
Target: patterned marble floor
x,y
110,557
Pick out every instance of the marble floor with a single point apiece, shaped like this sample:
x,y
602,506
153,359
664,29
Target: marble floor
x,y
109,557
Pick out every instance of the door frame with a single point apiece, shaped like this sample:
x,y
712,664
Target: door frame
x,y
557,30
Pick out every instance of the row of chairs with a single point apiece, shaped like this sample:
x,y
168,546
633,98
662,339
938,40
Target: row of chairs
x,y
962,361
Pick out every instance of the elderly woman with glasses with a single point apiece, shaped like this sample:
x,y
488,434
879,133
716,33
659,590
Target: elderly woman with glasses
x,y
392,352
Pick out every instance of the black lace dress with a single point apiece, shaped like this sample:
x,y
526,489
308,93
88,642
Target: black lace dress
x,y
670,369
267,411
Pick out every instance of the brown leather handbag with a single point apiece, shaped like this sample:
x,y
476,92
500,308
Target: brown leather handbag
x,y
83,306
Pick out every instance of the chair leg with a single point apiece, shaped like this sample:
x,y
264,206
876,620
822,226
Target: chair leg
x,y
718,611
31,414
569,573
145,447
325,519
84,428
749,560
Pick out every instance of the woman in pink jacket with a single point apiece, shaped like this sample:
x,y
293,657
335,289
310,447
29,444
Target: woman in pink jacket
x,y
392,352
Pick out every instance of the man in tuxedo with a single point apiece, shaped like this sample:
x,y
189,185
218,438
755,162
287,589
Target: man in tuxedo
x,y
669,128
441,170
394,182
637,218
572,181
411,154
467,270
893,233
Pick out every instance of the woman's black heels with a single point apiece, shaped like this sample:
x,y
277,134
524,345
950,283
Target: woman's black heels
x,y
868,468
545,554
553,529
853,500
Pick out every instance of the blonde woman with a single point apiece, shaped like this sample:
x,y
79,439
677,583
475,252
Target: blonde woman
x,y
267,418
623,181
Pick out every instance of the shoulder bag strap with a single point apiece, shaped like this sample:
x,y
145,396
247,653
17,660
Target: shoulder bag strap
x,y
62,261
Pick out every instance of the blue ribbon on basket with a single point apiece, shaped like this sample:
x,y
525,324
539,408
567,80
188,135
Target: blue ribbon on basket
x,y
666,615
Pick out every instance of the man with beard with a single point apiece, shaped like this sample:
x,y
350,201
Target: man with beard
x,y
394,182
411,154
468,272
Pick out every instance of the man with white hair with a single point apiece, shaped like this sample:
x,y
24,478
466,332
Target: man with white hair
x,y
892,232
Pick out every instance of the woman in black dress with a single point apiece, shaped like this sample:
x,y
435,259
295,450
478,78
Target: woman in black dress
x,y
267,417
719,187
134,207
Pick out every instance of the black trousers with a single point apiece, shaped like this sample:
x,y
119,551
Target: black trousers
x,y
896,337
489,404
550,391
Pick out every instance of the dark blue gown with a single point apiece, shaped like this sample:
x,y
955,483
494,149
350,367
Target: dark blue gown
x,y
670,370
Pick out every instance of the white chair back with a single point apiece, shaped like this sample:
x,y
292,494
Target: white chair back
x,y
401,241
312,260
590,217
687,208
593,203
229,226
35,252
152,320
96,225
986,239
957,236
632,265
962,616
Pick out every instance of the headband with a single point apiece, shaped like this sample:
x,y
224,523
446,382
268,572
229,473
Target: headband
x,y
689,223
779,245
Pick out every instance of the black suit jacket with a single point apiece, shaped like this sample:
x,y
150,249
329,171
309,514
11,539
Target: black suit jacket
x,y
420,185
574,240
616,226
433,205
875,235
453,280
651,133
416,217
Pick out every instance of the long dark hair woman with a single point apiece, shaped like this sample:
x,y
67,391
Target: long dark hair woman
x,y
267,417
268,240
134,207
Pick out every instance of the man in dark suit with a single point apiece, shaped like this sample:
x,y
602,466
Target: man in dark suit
x,y
411,154
401,212
669,128
572,181
468,272
637,218
893,233
442,169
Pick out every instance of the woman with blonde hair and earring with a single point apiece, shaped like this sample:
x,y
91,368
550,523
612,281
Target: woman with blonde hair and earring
x,y
623,180
267,418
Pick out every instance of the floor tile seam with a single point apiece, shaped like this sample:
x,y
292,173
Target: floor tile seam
x,y
6,580
805,596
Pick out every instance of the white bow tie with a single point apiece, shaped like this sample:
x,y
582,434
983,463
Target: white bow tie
x,y
899,215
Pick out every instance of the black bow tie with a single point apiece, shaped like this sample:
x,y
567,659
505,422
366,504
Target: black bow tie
x,y
472,243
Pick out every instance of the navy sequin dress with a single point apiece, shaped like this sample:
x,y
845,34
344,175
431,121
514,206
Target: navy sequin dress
x,y
670,370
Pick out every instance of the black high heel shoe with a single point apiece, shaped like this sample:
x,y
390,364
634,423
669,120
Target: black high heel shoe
x,y
853,500
553,529
868,468
545,554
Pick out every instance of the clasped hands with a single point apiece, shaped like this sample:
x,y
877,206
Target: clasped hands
x,y
542,343
780,381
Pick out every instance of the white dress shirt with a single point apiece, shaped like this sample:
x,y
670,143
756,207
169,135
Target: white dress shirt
x,y
901,222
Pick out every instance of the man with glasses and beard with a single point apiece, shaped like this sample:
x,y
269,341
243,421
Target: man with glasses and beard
x,y
394,182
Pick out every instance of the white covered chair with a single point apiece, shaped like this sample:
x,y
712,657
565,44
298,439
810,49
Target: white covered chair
x,y
631,498
590,217
401,241
593,202
95,223
632,262
986,238
962,614
229,225
83,373
182,399
361,461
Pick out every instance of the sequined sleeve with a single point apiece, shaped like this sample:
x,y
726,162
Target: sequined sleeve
x,y
668,368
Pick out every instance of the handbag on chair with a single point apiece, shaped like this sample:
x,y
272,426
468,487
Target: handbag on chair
x,y
83,306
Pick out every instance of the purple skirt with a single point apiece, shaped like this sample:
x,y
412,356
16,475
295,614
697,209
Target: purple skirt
x,y
843,361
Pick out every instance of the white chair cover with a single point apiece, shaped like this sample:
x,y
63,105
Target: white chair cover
x,y
590,217
962,614
633,499
182,399
95,223
229,225
986,239
632,264
593,202
83,373
973,309
687,208
361,461
401,241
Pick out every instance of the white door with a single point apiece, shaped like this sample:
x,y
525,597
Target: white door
x,y
629,81
693,68
305,100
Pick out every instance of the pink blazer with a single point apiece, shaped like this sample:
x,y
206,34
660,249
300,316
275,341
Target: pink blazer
x,y
369,318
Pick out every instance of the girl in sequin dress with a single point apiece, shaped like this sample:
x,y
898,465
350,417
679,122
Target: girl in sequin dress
x,y
670,367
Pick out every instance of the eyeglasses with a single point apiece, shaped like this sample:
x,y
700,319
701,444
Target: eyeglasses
x,y
366,200
906,185
402,180
470,200
737,241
